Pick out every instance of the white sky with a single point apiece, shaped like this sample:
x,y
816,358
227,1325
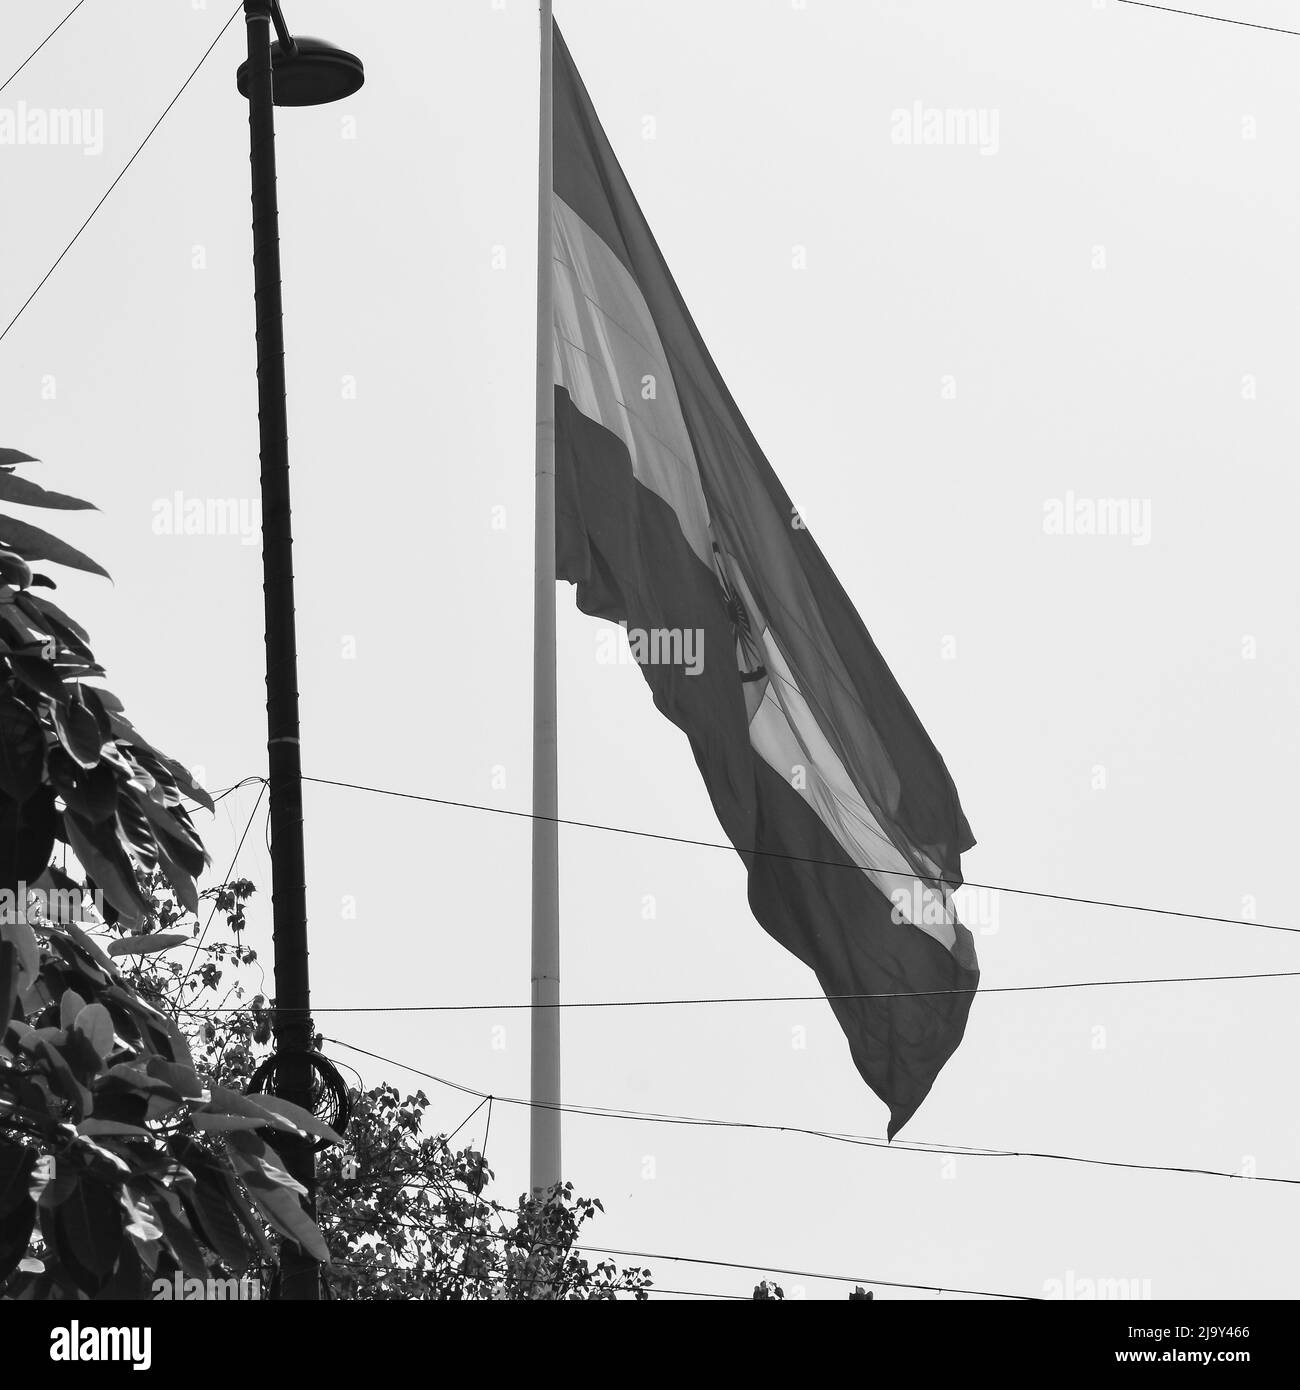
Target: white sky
x,y
1117,128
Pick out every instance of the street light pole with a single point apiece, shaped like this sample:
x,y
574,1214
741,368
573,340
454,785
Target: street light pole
x,y
292,72
299,1274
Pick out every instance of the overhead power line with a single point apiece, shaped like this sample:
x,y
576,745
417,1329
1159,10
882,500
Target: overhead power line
x,y
794,858
239,849
184,87
1217,18
42,44
858,1141
497,1208
221,795
799,1273
761,998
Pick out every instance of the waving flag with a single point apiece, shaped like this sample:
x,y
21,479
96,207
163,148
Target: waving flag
x,y
671,521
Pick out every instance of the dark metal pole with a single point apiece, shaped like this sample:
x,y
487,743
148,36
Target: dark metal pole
x,y
282,29
299,1274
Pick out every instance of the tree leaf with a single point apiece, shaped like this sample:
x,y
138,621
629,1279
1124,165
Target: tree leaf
x,y
34,544
183,1080
147,945
36,996
27,831
86,1232
303,1119
104,859
124,730
97,1024
9,458
227,1102
180,1047
92,793
134,831
176,835
86,1064
88,944
218,1191
176,1231
186,781
129,1079
28,494
216,1224
44,676
112,1128
131,1281
48,1190
141,1223
70,1005
64,1082
78,732
8,983
22,749
276,1199
52,613
17,1210
125,1005
267,1169
23,940
208,1122
16,1164
14,569
186,890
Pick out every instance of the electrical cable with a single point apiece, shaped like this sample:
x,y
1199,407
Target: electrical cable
x,y
122,175
42,44
858,1141
1217,18
794,858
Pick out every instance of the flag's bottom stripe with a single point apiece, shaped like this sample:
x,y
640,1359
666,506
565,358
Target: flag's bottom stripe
x,y
624,548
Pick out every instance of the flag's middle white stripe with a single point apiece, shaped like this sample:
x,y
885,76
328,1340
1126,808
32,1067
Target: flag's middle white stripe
x,y
611,360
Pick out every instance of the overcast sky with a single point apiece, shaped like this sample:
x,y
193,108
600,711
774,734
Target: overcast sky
x,y
1086,295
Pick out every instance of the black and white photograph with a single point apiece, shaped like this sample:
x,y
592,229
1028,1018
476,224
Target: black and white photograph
x,y
649,654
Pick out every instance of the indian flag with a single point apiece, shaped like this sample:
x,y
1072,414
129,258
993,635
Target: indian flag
x,y
671,520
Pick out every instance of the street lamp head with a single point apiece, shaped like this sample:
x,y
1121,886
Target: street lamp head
x,y
311,73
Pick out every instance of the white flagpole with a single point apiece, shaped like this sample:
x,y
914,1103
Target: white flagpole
x,y
545,1115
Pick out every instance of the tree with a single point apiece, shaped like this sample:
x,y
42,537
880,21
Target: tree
x,y
768,1292
408,1218
405,1215
119,1164
73,768
113,1155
